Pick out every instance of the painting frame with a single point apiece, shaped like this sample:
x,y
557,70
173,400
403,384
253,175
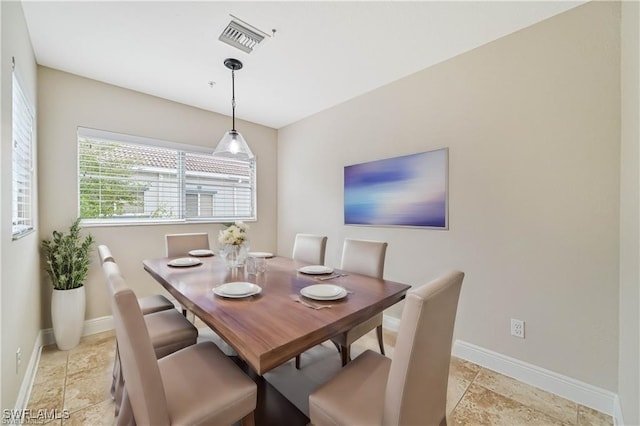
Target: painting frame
x,y
406,191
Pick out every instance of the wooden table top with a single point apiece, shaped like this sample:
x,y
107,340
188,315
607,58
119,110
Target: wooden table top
x,y
269,329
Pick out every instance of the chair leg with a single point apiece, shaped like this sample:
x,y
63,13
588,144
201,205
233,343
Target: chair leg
x,y
380,341
345,351
247,420
125,417
297,362
116,368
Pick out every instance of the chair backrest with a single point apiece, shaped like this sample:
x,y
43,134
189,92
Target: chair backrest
x,y
310,248
110,270
416,390
182,244
105,254
364,257
139,364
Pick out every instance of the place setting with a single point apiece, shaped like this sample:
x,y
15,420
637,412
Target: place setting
x,y
321,272
201,253
237,290
183,262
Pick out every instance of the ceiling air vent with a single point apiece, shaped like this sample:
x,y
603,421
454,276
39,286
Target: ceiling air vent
x,y
241,35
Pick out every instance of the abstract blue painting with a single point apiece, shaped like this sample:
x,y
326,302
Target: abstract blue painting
x,y
402,191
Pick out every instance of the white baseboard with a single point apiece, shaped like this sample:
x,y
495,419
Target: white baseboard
x,y
92,326
29,376
566,387
617,413
391,323
574,390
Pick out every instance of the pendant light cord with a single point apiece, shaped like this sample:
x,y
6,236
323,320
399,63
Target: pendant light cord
x,y
233,101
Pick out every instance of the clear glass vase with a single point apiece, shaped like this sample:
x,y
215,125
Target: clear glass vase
x,y
235,255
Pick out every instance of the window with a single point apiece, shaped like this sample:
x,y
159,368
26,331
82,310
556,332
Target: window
x,y
125,178
22,162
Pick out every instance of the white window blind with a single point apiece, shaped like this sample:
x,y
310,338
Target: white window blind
x,y
125,178
22,162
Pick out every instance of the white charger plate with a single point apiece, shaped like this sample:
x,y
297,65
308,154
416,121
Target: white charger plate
x,y
201,253
315,269
323,292
184,261
237,289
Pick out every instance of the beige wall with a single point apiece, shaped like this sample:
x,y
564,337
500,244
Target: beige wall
x,y
532,122
67,101
629,352
19,264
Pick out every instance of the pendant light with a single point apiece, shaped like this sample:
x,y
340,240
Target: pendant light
x,y
232,144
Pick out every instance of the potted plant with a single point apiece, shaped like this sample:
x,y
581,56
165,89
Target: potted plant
x,y
67,263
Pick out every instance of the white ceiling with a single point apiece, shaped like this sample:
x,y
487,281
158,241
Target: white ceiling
x,y
323,53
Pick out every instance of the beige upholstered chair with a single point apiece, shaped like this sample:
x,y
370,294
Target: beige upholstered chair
x,y
365,258
411,389
182,244
309,248
168,330
196,385
148,304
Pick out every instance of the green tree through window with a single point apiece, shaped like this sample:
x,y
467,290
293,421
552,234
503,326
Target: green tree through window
x,y
106,185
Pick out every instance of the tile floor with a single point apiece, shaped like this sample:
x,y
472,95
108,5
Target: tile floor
x,y
78,381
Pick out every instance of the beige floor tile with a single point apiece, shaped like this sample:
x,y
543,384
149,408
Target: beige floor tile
x,y
456,388
590,417
480,406
98,353
87,387
464,369
47,395
553,405
48,386
461,374
101,414
51,356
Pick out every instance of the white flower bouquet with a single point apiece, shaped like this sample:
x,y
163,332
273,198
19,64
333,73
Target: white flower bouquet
x,y
235,234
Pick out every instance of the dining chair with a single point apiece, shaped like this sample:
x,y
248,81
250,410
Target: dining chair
x,y
169,331
411,389
366,258
182,244
310,248
148,304
195,385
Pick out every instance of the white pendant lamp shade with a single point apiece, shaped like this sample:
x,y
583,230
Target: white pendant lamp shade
x,y
232,144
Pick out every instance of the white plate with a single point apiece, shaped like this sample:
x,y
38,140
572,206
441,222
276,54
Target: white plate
x,y
260,254
184,261
315,269
324,292
201,253
237,289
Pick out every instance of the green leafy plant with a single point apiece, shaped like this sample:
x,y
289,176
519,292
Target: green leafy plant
x,y
67,257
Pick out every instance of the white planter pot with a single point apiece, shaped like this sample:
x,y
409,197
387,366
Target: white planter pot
x,y
67,316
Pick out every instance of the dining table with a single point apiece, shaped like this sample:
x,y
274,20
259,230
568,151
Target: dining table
x,y
272,326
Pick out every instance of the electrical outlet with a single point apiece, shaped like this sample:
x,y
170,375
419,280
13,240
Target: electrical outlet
x,y
18,360
517,328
